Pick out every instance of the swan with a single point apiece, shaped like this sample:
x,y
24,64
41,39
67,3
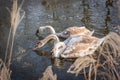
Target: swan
x,y
73,31
42,33
74,47
72,34
63,44
79,41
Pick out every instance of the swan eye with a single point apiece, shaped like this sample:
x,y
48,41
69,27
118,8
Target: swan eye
x,y
66,33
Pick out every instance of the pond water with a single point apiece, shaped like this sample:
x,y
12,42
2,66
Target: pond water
x,y
98,15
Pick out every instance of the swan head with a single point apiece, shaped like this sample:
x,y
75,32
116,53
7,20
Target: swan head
x,y
44,31
46,40
64,34
72,31
58,49
38,45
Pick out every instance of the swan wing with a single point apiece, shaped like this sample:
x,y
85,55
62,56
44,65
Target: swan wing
x,y
82,49
72,40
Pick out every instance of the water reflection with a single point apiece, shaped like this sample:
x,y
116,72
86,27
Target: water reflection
x,y
58,62
86,14
107,18
42,53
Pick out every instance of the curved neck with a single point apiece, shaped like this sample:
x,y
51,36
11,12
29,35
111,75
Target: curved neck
x,y
51,37
51,29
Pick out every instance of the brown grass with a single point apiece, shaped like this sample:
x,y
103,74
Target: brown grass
x,y
104,65
4,71
48,74
15,20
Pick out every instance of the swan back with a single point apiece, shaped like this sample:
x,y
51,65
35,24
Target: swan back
x,y
84,48
73,31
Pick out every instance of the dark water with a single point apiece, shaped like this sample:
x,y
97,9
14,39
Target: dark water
x,y
98,15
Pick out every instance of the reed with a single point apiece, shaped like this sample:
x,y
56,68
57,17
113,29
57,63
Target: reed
x,y
104,65
15,17
4,71
48,74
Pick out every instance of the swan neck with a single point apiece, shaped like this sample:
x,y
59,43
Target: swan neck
x,y
51,29
51,37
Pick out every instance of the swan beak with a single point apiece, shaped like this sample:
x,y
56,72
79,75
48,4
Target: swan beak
x,y
35,48
59,34
38,45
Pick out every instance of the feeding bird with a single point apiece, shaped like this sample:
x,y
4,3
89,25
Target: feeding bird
x,y
76,46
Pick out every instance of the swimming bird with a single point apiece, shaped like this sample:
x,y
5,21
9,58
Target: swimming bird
x,y
73,31
72,34
76,46
67,42
79,41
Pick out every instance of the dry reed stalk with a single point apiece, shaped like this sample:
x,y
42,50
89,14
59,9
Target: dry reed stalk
x,y
4,71
80,64
48,74
15,20
105,65
110,57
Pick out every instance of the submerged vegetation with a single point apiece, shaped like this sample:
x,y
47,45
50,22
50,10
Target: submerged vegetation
x,y
15,17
